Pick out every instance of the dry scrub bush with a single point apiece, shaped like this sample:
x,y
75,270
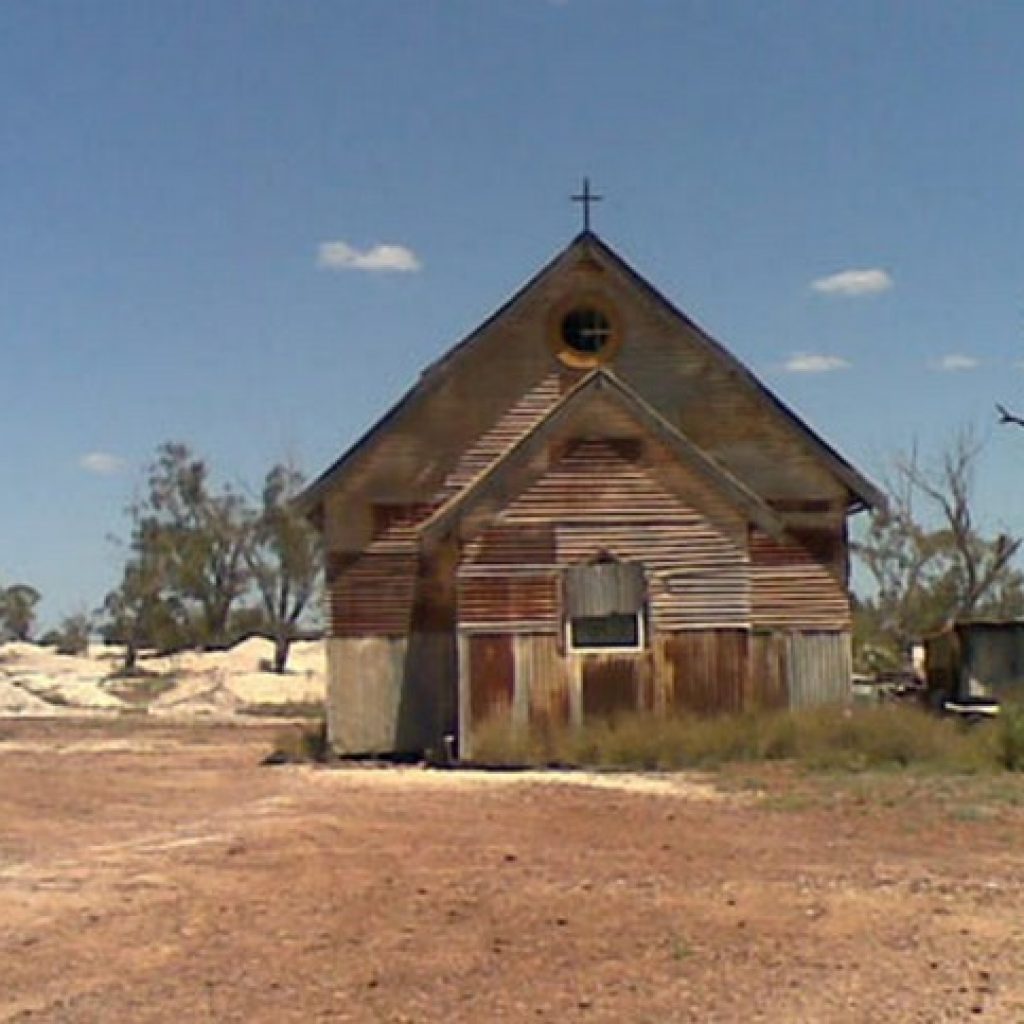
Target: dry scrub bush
x,y
1010,740
301,744
849,739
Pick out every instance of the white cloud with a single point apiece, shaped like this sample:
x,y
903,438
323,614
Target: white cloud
x,y
814,362
854,282
102,463
955,361
380,258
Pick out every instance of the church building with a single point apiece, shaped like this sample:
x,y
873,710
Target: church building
x,y
586,507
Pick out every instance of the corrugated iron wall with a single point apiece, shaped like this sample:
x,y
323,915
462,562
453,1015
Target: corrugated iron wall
x,y
374,595
768,683
799,584
527,680
508,429
708,670
601,498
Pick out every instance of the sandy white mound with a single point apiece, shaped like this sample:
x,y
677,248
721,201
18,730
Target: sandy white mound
x,y
16,701
52,680
37,680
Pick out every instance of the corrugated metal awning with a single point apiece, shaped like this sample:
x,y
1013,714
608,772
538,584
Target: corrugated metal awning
x,y
604,588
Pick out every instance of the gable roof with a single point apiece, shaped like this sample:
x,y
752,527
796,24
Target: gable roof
x,y
428,380
603,382
865,493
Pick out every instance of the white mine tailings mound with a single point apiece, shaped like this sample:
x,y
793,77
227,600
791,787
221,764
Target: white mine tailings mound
x,y
36,681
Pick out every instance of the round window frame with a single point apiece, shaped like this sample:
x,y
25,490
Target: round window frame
x,y
580,302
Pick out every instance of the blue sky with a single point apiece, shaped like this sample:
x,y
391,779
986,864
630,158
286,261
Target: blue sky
x,y
193,197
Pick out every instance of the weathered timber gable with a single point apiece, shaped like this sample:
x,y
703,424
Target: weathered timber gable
x,y
587,433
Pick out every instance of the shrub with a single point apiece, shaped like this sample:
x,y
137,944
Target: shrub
x,y
302,744
1010,738
827,738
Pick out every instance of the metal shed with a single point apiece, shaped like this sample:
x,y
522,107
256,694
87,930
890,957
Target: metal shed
x,y
977,658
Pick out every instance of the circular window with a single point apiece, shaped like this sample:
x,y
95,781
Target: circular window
x,y
584,332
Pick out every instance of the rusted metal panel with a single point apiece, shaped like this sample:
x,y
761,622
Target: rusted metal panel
x,y
709,669
542,680
799,584
514,546
491,677
596,499
396,520
695,577
364,693
611,685
820,668
374,595
768,686
513,603
505,432
593,476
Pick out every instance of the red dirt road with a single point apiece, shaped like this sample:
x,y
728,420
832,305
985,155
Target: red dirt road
x,y
158,874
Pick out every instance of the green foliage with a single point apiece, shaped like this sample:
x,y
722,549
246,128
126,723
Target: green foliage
x,y
198,536
283,559
18,611
828,738
72,636
196,551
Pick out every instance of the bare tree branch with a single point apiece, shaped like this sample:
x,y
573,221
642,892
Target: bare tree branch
x,y
1005,416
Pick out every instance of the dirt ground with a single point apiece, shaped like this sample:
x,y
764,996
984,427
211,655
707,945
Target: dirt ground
x,y
159,874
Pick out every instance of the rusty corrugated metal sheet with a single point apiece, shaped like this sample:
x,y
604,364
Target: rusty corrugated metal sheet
x,y
374,595
509,547
396,522
601,498
799,585
509,428
611,684
512,603
593,480
542,679
491,677
709,669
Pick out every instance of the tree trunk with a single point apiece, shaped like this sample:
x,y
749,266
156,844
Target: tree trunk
x,y
130,654
282,644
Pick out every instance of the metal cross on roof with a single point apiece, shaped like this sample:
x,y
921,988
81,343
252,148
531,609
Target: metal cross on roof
x,y
586,197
